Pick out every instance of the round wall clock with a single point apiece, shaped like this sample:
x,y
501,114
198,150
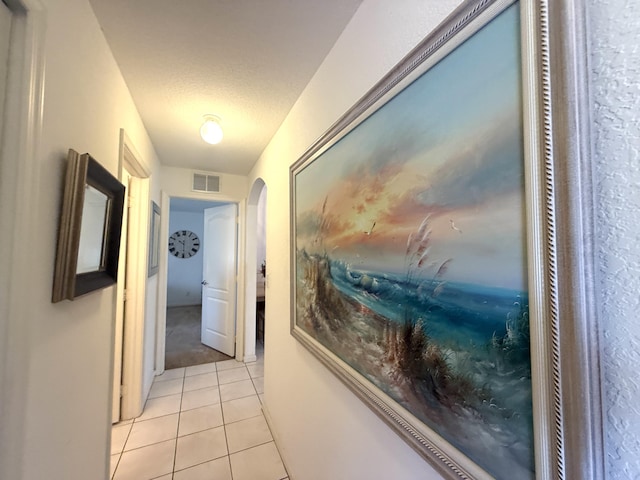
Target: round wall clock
x,y
184,244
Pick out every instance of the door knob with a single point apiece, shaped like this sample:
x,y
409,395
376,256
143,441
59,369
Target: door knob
x,y
204,282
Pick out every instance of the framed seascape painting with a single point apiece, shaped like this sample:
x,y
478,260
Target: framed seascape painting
x,y
440,257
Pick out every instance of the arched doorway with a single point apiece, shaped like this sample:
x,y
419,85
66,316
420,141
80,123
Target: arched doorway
x,y
256,281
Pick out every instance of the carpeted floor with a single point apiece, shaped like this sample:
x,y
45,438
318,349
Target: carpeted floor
x,y
183,347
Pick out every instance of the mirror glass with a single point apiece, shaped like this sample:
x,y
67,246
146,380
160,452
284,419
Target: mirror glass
x,y
92,229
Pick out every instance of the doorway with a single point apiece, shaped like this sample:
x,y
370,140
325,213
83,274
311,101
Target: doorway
x,y
199,274
256,273
261,274
129,382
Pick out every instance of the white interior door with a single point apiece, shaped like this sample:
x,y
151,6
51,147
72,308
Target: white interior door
x,y
219,278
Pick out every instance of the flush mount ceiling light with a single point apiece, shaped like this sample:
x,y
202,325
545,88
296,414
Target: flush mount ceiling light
x,y
211,131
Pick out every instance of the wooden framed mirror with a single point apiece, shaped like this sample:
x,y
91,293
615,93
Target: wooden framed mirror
x,y
89,231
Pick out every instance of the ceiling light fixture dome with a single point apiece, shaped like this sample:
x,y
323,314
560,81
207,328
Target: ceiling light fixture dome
x,y
211,131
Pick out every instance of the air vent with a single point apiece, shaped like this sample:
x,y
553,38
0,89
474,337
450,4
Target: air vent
x,y
206,183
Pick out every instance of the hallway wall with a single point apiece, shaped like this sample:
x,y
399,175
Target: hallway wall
x,y
58,370
615,75
322,429
301,395
261,229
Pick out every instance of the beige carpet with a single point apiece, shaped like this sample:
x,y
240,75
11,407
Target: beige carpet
x,y
183,347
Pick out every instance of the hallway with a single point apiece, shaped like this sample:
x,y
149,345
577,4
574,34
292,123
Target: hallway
x,y
200,422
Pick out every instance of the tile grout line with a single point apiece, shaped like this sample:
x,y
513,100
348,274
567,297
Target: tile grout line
x,y
224,427
122,451
225,421
175,448
258,445
193,433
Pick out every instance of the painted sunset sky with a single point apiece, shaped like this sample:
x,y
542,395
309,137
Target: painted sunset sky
x,y
449,145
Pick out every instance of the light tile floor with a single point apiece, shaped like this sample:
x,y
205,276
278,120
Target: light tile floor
x,y
200,422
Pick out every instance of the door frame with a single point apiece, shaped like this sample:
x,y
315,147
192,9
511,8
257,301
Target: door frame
x,y
161,327
19,172
133,395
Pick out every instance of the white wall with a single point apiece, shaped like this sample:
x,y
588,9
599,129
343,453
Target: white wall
x,y
324,431
262,229
615,75
63,371
178,182
184,275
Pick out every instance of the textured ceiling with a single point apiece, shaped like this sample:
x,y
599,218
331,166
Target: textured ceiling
x,y
246,61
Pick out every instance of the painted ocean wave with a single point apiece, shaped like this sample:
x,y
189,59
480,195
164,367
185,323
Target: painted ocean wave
x,y
456,355
454,311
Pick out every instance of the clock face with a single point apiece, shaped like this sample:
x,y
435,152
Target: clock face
x,y
184,244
